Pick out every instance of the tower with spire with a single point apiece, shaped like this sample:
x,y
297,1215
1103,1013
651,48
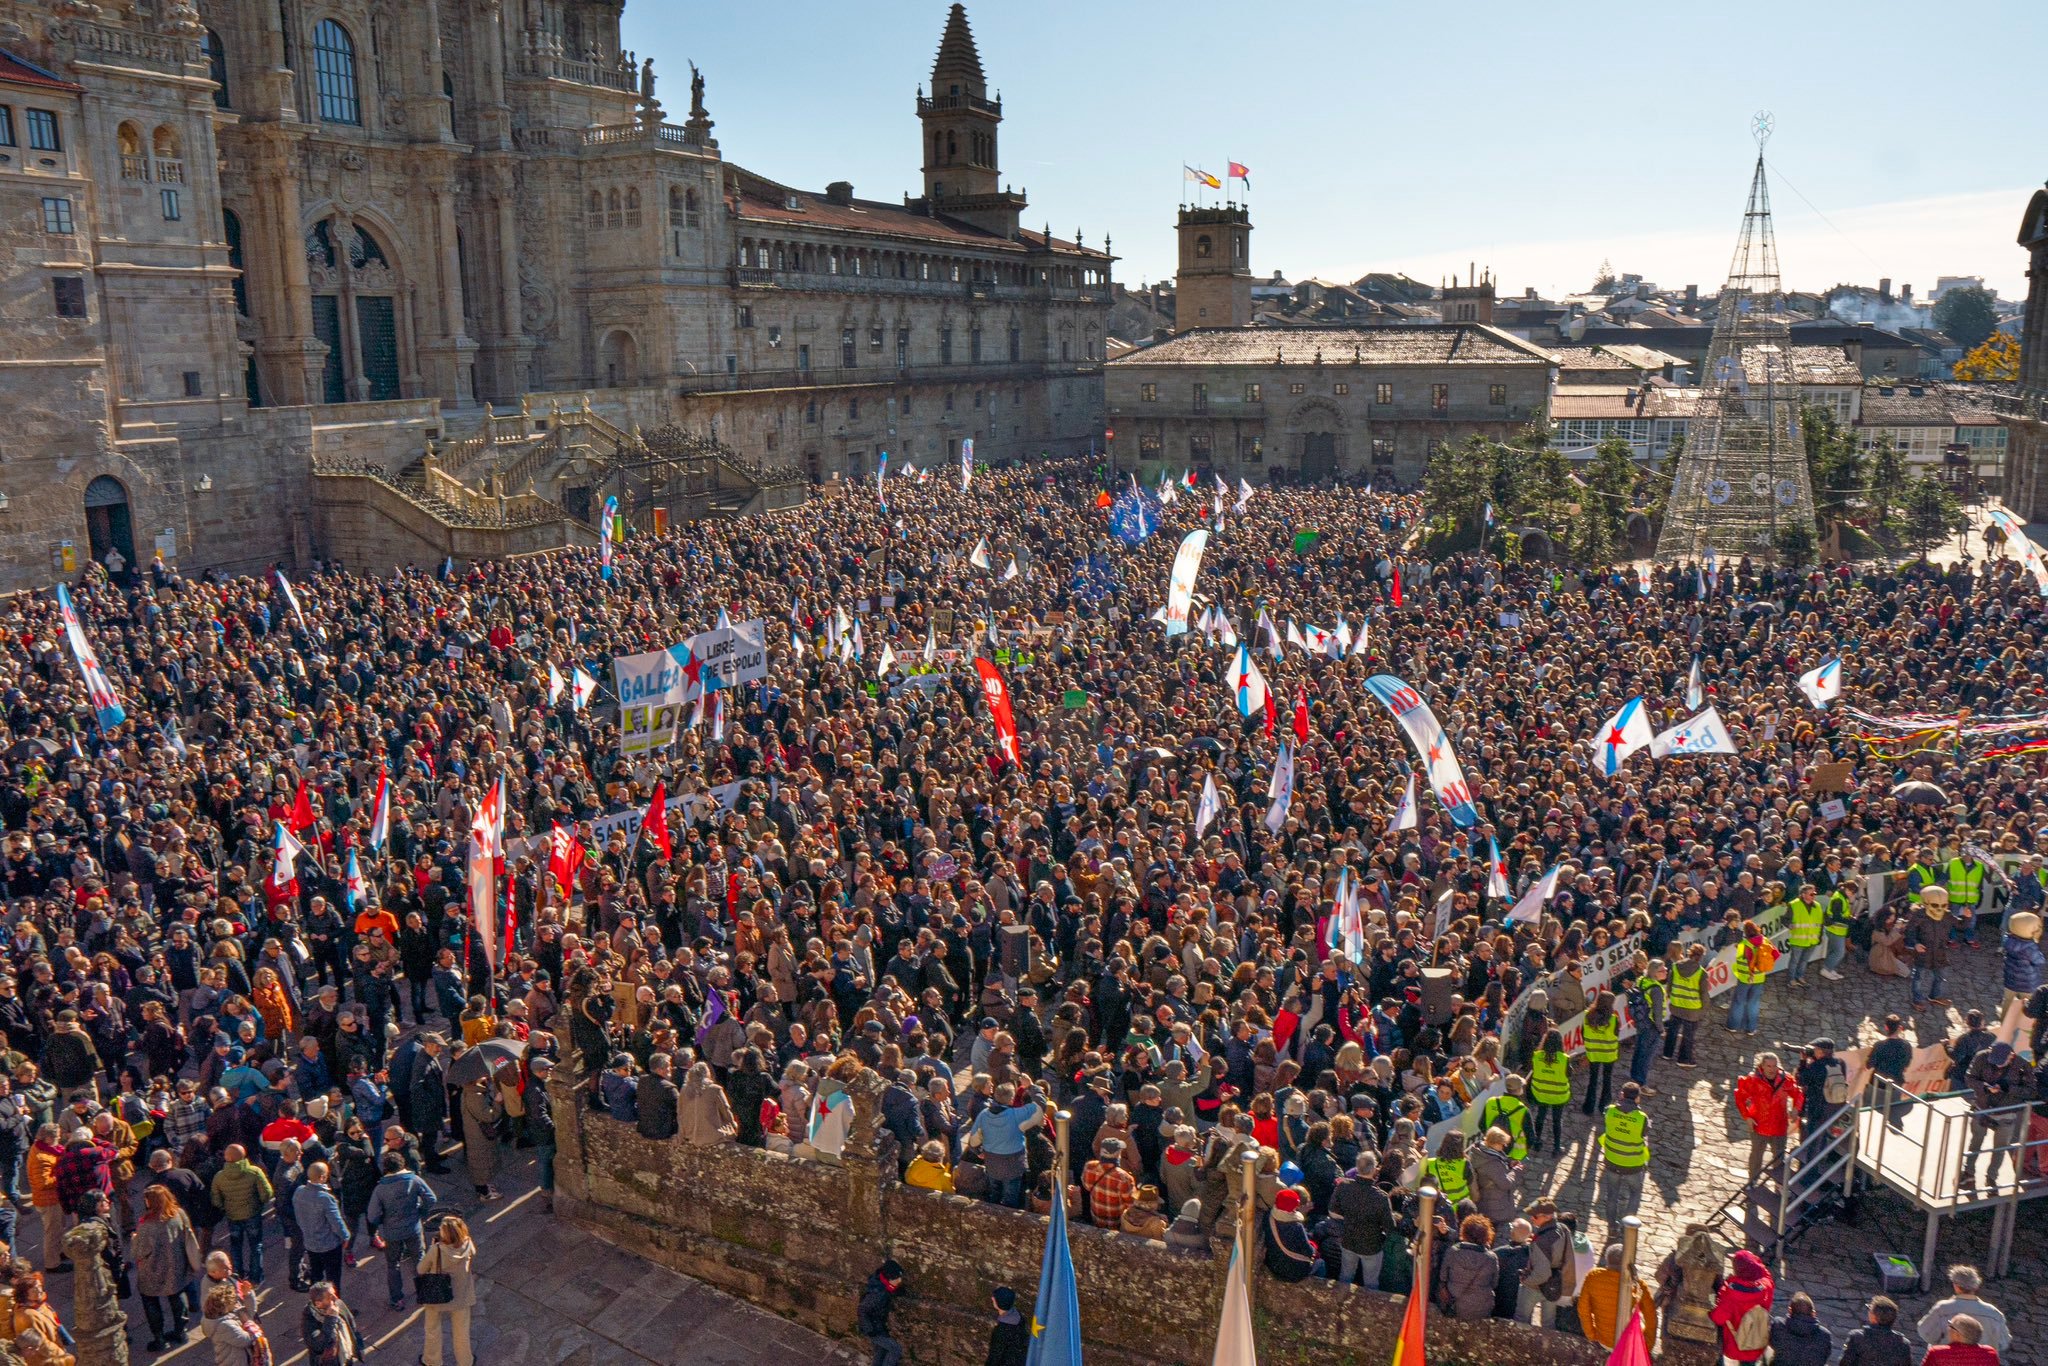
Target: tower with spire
x,y
1742,484
962,174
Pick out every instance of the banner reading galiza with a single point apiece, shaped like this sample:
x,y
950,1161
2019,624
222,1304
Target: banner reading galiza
x,y
1432,746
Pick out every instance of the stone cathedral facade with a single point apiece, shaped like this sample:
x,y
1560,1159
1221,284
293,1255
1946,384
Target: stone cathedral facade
x,y
244,243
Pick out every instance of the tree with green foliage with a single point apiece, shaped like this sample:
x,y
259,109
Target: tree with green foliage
x,y
1458,482
1888,474
1834,464
1610,480
1797,544
1968,314
1548,487
1931,513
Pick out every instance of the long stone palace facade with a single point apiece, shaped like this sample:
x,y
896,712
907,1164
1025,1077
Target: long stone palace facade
x,y
385,280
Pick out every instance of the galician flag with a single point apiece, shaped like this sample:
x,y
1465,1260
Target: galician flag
x,y
1627,731
556,683
353,891
966,463
1211,807
1496,870
1530,907
1280,792
1823,685
1702,734
1695,687
1404,816
1249,683
380,814
285,856
585,686
979,559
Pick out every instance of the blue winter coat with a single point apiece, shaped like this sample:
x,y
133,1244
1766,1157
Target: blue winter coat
x,y
2024,964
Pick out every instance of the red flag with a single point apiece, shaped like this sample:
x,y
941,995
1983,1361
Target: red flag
x,y
1272,711
302,810
1301,716
1631,1348
1397,585
655,827
998,694
565,857
1103,500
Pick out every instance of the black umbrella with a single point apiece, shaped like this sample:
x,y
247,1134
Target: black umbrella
x,y
31,747
1208,742
484,1060
1917,793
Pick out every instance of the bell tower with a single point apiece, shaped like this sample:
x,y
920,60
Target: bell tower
x,y
1213,287
961,174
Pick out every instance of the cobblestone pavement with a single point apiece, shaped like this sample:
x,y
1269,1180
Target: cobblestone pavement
x,y
547,1292
1700,1154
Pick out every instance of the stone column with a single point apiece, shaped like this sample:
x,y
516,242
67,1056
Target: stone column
x,y
289,358
1689,1336
571,1183
862,1161
101,1325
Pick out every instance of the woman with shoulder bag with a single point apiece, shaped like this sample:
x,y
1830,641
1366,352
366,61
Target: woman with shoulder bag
x,y
483,1116
446,1288
167,1263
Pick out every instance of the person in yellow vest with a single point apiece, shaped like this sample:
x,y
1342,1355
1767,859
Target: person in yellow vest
x,y
1550,1089
1920,873
1838,912
1966,874
1803,944
1625,1154
1754,959
1603,1049
1509,1113
1447,1171
1688,1003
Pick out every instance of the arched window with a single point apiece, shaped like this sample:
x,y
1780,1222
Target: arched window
x,y
216,67
596,209
134,161
632,208
334,74
231,232
615,216
1203,246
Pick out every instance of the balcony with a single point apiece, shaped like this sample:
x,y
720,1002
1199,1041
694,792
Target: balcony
x,y
134,167
169,171
548,67
931,103
824,282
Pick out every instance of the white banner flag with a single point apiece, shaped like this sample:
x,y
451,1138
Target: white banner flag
x,y
1180,585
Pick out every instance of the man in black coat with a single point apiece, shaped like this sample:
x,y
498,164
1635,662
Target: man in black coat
x,y
877,1301
429,1090
1009,1338
657,1115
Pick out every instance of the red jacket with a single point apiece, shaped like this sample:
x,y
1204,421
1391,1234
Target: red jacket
x,y
1960,1354
1735,1300
1769,1105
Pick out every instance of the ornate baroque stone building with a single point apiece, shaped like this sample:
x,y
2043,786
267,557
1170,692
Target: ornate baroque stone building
x,y
2025,412
273,238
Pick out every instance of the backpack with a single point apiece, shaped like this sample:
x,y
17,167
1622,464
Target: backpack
x,y
1835,1088
1764,956
1397,1265
1753,1330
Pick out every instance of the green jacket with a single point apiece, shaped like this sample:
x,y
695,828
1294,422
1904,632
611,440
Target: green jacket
x,y
241,1190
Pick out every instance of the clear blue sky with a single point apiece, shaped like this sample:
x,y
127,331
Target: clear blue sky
x,y
1538,140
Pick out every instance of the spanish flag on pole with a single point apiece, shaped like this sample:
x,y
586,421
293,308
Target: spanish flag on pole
x,y
1408,1348
1200,177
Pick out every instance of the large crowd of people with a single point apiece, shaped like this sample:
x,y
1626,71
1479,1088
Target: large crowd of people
x,y
207,1041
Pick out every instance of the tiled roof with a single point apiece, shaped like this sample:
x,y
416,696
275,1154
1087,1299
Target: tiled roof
x,y
1598,400
763,201
1804,365
15,71
1401,344
1898,406
1612,358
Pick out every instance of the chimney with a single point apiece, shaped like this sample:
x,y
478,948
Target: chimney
x,y
1905,294
1884,288
839,192
1692,298
1852,351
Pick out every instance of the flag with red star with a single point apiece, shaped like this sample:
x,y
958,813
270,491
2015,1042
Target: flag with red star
x,y
1627,731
